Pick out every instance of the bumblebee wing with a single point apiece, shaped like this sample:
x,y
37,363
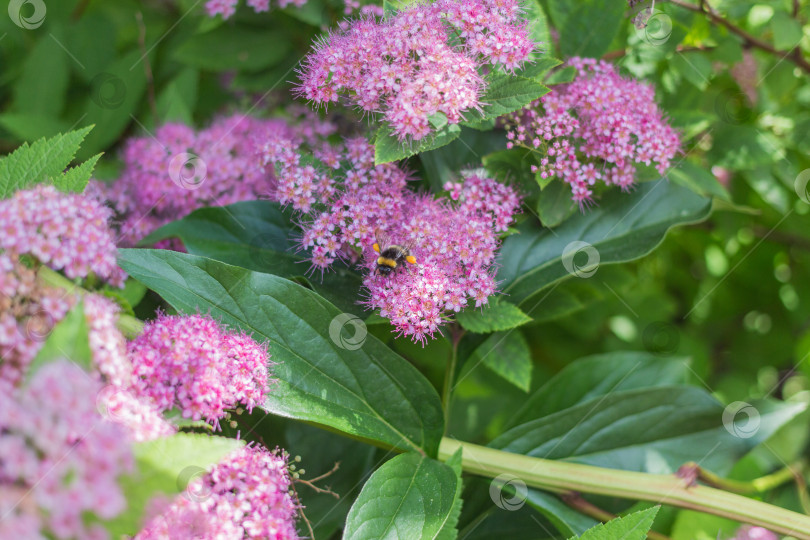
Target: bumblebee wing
x,y
381,239
409,250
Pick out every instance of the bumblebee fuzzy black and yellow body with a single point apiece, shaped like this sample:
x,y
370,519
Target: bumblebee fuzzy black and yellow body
x,y
391,256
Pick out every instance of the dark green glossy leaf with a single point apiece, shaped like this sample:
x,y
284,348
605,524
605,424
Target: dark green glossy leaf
x,y
495,316
352,383
567,520
411,497
554,204
623,227
388,148
232,47
586,27
508,355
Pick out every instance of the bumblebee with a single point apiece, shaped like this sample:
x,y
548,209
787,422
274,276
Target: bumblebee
x,y
391,255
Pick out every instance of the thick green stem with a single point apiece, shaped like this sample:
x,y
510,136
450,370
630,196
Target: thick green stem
x,y
658,488
450,372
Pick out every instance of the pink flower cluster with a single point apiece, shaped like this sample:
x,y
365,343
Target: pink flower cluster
x,y
179,170
247,495
454,243
227,8
419,63
141,418
66,232
749,532
191,363
597,127
59,460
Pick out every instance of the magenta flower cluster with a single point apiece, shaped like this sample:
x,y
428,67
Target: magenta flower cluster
x,y
227,8
598,127
246,495
67,232
59,460
453,242
193,364
179,170
422,62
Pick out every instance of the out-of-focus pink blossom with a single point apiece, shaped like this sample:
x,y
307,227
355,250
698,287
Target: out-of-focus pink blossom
x,y
227,8
68,232
418,63
597,127
193,364
247,495
749,532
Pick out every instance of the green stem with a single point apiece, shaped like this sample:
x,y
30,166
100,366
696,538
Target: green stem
x,y
757,485
658,488
456,332
129,325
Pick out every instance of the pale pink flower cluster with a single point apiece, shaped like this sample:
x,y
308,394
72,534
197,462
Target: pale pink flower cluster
x,y
454,243
59,460
749,532
417,64
179,170
193,364
227,8
246,495
598,127
141,418
67,232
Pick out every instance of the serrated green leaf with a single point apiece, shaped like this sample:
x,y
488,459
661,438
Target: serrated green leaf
x,y
411,497
592,377
633,526
44,159
623,227
388,148
75,179
495,316
68,339
450,529
257,235
508,355
164,466
654,430
507,93
328,370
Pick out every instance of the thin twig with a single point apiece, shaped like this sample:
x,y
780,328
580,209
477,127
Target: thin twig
x,y
147,67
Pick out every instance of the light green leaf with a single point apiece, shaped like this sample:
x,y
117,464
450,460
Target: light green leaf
x,y
329,371
787,31
508,355
411,497
698,180
44,159
554,204
506,93
32,94
388,148
67,339
630,527
577,23
76,178
623,227
495,316
165,466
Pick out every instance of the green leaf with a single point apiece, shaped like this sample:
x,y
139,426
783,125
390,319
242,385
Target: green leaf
x,y
76,178
388,148
787,31
566,520
593,377
506,93
165,465
630,527
177,100
654,430
32,94
622,228
508,355
44,159
230,47
411,497
256,235
495,316
698,180
67,339
561,76
577,23
554,204
450,529
538,24
32,126
352,382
